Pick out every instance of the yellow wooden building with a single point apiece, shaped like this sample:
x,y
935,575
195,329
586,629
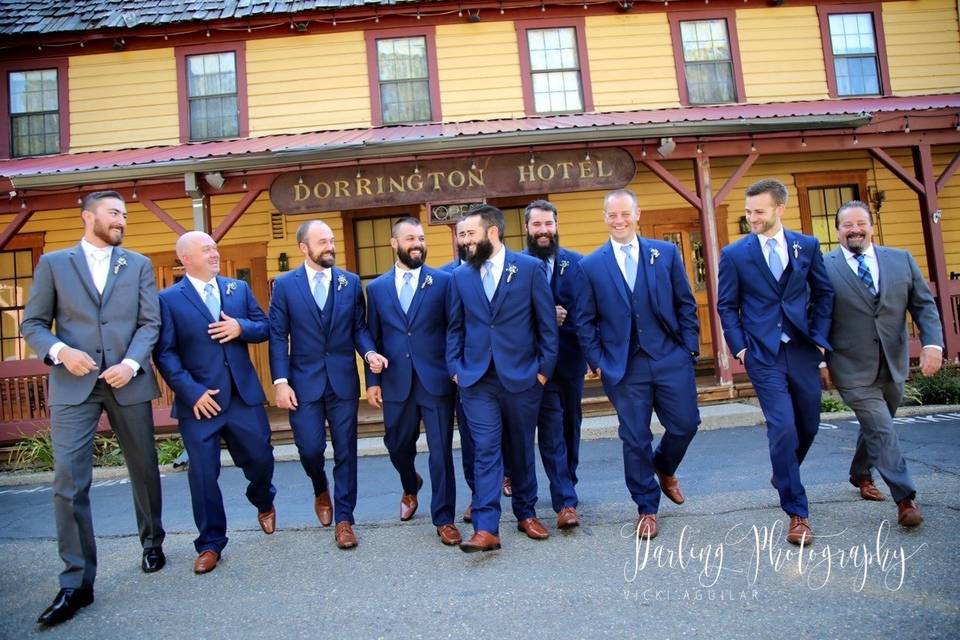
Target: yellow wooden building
x,y
249,119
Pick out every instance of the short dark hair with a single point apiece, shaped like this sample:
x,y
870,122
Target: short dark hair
x,y
490,216
304,229
402,221
776,189
616,193
546,205
92,198
852,204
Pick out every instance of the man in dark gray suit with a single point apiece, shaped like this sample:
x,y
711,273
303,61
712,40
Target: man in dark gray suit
x,y
103,301
875,287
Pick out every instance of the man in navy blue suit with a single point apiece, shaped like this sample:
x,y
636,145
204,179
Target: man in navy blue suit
x,y
317,321
775,301
637,324
207,323
501,349
407,318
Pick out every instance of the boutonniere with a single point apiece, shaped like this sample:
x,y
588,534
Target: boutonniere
x,y
796,250
231,287
511,271
654,254
563,266
341,282
427,281
120,264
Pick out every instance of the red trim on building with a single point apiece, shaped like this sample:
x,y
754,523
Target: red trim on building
x,y
429,33
63,98
730,17
875,9
239,49
526,79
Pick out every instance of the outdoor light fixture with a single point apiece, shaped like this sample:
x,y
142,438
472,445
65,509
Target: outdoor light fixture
x,y
283,263
667,146
214,179
744,225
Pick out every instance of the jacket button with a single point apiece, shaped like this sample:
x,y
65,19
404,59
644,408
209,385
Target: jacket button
x,y
875,341
406,355
779,324
410,333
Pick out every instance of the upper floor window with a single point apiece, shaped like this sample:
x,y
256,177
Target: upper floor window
x,y
853,50
553,64
213,92
403,72
707,58
34,108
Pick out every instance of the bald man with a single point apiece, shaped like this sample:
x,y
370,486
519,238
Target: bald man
x,y
207,323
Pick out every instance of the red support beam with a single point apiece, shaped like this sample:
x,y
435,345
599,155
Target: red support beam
x,y
948,172
14,227
165,217
898,170
734,179
238,210
672,182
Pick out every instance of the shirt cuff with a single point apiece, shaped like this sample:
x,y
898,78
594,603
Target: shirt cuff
x,y
926,346
740,354
823,365
366,354
55,351
133,364
280,381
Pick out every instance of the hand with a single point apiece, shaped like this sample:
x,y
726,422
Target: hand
x,y
930,361
285,396
825,381
77,362
542,379
593,373
118,375
376,361
206,405
561,315
225,330
375,396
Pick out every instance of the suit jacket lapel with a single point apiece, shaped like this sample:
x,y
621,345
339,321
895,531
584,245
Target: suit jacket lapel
x,y
883,264
794,252
190,293
79,259
650,273
503,287
418,295
114,271
756,254
839,262
613,270
474,279
303,284
391,292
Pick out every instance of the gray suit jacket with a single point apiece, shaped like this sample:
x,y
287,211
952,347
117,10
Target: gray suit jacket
x,y
125,324
862,326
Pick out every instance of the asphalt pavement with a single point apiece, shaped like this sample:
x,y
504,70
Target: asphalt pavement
x,y
719,568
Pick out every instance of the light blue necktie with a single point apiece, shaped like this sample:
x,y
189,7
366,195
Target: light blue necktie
x,y
320,290
406,292
776,265
489,287
863,272
548,265
211,301
629,266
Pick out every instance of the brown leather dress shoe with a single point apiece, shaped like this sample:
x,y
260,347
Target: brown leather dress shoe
x,y
480,541
449,534
206,562
408,502
647,525
344,535
323,508
908,513
868,490
800,531
670,485
567,518
468,513
507,486
533,528
268,520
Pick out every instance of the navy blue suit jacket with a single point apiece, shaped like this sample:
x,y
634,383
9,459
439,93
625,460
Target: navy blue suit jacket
x,y
603,305
517,331
191,362
451,266
307,352
570,361
414,341
751,303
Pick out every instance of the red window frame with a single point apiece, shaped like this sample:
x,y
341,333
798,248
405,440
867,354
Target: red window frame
x,y
730,17
824,12
526,74
239,50
63,99
429,33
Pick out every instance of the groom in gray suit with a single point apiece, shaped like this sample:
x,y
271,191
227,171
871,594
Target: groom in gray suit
x,y
103,301
875,287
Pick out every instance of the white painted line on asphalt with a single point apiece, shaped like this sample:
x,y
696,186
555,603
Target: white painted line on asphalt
x,y
95,485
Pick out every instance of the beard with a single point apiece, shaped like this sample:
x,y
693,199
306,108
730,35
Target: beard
x,y
463,253
481,253
856,244
765,226
108,234
325,259
533,245
411,262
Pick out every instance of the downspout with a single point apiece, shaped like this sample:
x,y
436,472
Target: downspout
x,y
201,219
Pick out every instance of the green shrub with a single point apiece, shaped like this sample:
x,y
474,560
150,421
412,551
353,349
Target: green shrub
x,y
34,452
169,450
911,396
942,387
830,403
106,451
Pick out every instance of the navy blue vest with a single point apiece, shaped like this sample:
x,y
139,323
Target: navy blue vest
x,y
647,335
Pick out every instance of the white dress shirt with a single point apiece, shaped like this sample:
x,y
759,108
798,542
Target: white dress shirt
x,y
621,259
200,286
870,260
497,267
313,274
398,278
781,247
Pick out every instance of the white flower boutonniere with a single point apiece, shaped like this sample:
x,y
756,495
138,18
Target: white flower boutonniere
x,y
511,271
120,264
341,282
427,282
563,266
231,287
654,254
796,250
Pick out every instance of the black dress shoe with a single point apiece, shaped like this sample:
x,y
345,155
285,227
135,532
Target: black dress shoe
x,y
67,603
153,560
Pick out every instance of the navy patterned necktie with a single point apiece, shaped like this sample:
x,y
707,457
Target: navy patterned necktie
x,y
863,272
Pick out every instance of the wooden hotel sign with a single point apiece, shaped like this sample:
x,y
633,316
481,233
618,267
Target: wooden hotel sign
x,y
403,183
